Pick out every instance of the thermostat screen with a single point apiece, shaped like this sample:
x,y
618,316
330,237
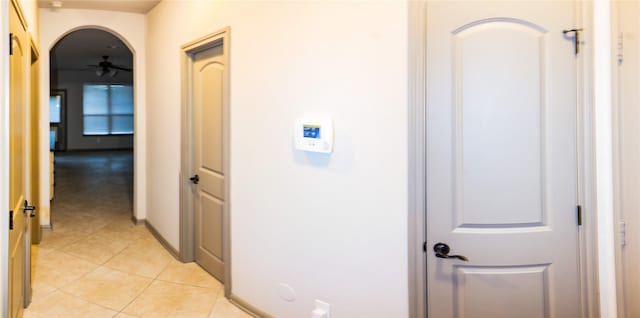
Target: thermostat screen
x,y
311,131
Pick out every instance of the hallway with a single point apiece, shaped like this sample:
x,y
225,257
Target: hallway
x,y
96,263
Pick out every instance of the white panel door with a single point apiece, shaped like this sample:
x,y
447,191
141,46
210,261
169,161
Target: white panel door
x,y
501,159
209,147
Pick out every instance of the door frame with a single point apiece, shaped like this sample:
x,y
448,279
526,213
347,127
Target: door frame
x,y
417,70
34,138
33,234
62,126
187,204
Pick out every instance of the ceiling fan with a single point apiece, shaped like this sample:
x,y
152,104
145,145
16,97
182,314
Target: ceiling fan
x,y
106,67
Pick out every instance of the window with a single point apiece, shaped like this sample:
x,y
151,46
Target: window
x,y
54,109
107,109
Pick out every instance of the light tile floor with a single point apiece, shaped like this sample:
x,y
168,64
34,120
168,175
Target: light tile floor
x,y
96,263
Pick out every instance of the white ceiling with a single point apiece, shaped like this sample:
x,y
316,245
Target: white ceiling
x,y
81,48
137,6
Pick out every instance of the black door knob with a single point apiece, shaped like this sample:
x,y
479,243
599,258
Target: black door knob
x,y
442,251
30,208
195,179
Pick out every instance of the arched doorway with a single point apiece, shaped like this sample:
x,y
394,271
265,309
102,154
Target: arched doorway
x,y
85,64
91,106
130,32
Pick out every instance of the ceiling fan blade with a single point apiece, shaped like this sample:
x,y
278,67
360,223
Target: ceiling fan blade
x,y
120,68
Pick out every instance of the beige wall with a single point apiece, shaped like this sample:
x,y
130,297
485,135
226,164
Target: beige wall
x,y
331,226
627,151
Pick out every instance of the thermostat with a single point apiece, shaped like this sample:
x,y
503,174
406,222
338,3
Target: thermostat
x,y
315,135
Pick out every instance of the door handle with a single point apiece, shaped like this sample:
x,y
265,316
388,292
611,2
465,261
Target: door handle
x,y
195,179
442,251
30,208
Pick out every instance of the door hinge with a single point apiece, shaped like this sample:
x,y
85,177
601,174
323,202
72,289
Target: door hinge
x,y
424,247
623,233
620,48
11,220
10,43
579,214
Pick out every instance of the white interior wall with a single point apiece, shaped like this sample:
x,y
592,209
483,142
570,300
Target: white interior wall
x,y
602,97
129,27
627,93
331,226
72,82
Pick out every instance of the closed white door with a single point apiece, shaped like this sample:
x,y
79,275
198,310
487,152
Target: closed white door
x,y
501,159
209,147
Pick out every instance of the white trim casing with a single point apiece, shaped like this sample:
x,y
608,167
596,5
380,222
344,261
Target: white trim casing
x,y
602,98
586,166
417,161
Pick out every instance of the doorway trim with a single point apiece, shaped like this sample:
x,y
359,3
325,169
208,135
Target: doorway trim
x,y
417,158
62,131
417,70
187,215
34,234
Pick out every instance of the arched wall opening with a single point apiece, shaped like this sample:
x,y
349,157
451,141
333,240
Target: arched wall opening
x,y
130,29
98,63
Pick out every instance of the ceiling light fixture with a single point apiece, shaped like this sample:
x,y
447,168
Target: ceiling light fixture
x,y
56,4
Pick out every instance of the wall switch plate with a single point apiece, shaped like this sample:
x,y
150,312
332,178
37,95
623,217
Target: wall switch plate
x,y
323,310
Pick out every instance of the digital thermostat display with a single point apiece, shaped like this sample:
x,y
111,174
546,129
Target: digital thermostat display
x,y
314,134
309,131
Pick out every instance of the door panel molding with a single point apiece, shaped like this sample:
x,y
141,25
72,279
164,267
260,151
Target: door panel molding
x,y
187,204
417,160
21,16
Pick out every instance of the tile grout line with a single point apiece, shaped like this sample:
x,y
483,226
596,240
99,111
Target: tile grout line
x,y
105,217
135,298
